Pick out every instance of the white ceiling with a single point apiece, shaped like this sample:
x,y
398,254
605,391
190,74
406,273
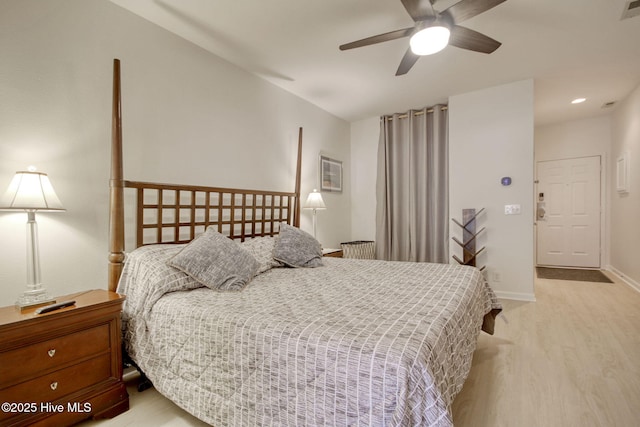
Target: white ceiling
x,y
571,48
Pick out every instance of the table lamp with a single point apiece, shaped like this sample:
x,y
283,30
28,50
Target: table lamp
x,y
31,191
315,202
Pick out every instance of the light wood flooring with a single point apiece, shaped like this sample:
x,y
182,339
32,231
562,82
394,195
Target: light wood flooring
x,y
570,359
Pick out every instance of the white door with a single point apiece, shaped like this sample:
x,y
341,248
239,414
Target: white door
x,y
568,212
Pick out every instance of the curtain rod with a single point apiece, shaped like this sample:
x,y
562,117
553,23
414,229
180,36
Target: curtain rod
x,y
417,113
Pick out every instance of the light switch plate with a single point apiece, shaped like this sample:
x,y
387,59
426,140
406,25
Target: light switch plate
x,y
512,210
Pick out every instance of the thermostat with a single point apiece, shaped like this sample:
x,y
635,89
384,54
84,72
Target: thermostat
x,y
505,180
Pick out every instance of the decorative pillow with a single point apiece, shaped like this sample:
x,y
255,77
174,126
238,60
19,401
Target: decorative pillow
x,y
262,250
216,261
297,248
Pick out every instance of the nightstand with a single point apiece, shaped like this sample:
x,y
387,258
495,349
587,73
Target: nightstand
x,y
335,253
64,366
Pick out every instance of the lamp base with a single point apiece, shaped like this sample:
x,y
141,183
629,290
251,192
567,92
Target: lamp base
x,y
34,298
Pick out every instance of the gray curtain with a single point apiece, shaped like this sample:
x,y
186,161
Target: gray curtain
x,y
412,187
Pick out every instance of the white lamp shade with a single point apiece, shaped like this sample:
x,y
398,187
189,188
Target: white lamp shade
x,y
430,40
314,201
31,191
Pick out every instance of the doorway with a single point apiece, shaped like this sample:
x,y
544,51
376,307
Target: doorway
x,y
568,212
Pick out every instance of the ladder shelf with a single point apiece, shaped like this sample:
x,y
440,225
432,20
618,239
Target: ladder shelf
x,y
469,234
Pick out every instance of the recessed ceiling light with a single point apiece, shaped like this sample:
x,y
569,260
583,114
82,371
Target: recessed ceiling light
x,y
578,100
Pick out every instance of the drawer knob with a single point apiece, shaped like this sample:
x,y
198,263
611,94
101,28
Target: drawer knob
x,y
51,352
54,385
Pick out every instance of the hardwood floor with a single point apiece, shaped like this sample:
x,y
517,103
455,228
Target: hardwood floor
x,y
570,359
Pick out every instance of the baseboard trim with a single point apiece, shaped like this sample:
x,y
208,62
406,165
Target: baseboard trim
x,y
624,278
517,296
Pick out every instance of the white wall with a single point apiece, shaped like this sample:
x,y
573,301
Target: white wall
x,y
365,136
625,208
491,136
189,117
580,138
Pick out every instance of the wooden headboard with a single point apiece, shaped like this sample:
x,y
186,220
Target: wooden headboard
x,y
170,213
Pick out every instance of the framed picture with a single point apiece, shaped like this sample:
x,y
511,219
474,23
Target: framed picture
x,y
330,175
622,174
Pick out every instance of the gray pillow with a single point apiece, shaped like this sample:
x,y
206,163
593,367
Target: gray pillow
x,y
216,261
297,248
262,250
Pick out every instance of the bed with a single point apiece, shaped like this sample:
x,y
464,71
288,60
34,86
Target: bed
x,y
267,332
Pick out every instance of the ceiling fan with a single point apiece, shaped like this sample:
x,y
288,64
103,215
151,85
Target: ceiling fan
x,y
435,30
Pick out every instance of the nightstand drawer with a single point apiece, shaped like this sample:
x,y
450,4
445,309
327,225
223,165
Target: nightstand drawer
x,y
37,358
55,385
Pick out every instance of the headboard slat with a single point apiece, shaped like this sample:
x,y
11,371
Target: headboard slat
x,y
236,209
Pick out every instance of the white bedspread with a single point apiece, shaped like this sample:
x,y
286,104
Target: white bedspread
x,y
355,342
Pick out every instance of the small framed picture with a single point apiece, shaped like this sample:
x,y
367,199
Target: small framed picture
x,y
330,175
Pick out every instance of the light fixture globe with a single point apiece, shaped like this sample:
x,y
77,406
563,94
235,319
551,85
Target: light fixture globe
x,y
430,40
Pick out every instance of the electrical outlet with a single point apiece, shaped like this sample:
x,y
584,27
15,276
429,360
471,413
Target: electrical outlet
x,y
496,276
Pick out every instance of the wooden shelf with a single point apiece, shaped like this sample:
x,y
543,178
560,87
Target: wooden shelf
x,y
469,235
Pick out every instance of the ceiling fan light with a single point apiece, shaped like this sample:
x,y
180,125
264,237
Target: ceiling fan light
x,y
430,40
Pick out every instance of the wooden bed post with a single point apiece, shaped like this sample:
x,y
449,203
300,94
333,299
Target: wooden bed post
x,y
116,185
296,212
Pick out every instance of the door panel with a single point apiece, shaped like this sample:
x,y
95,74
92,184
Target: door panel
x,y
568,220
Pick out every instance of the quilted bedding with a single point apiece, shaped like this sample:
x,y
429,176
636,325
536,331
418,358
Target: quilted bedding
x,y
354,342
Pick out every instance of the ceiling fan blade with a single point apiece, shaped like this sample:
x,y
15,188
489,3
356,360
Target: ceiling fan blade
x,y
419,9
408,60
467,9
465,38
392,35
